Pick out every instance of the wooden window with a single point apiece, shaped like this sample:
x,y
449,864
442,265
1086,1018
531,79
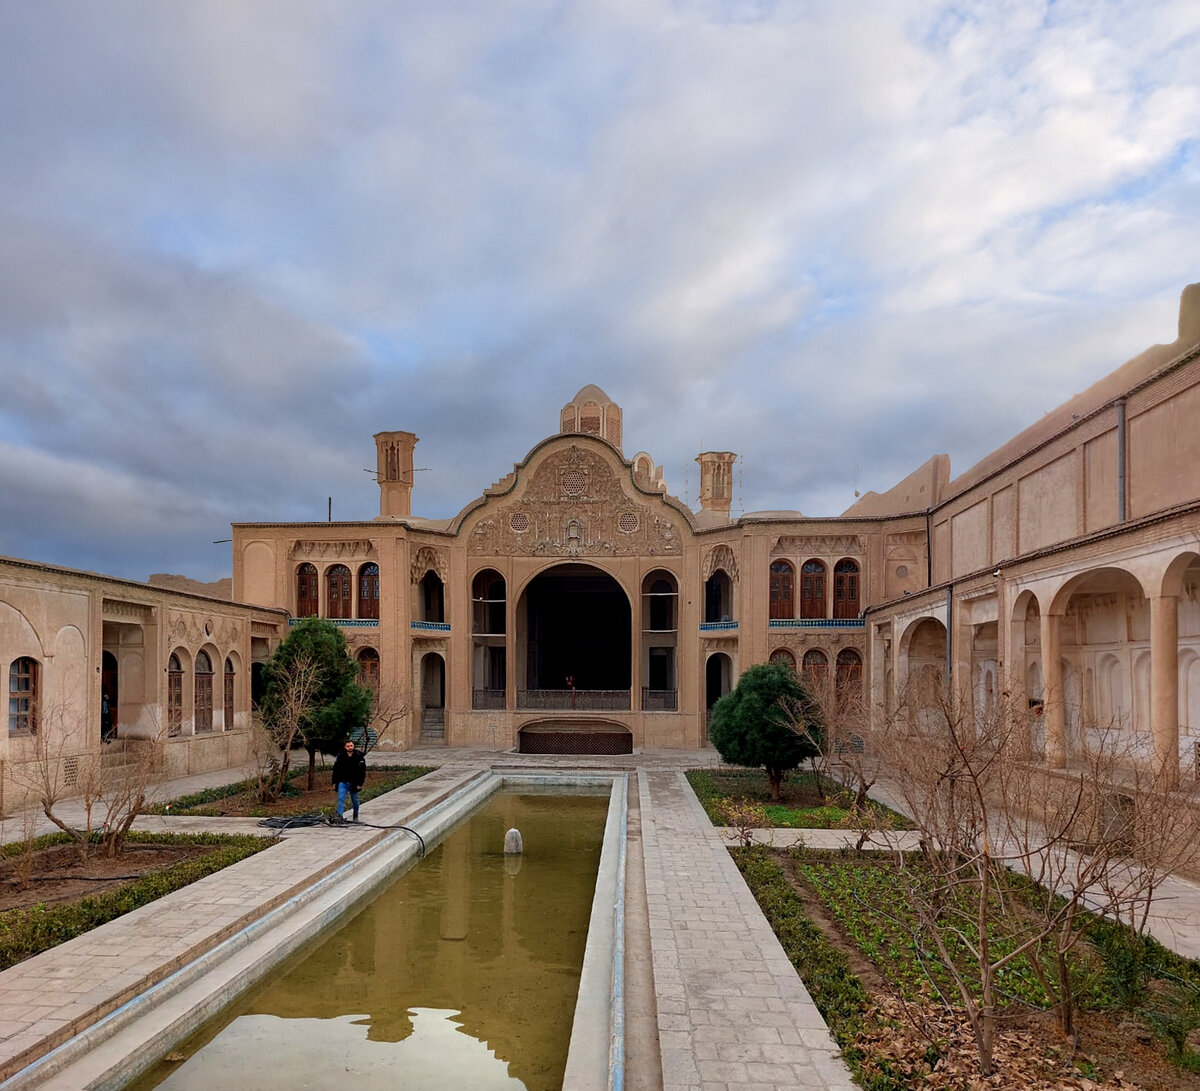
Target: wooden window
x,y
308,602
812,589
368,591
848,678
845,589
783,656
230,679
23,683
368,669
340,592
174,696
204,692
816,668
782,590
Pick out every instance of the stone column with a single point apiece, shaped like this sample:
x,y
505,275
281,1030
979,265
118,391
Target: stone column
x,y
1053,711
1164,682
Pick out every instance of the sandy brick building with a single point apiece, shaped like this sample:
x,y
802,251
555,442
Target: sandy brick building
x,y
577,606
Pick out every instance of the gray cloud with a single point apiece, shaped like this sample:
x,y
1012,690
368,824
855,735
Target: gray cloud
x,y
239,239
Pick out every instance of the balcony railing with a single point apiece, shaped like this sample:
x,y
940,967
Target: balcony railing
x,y
344,622
430,626
658,700
590,699
487,698
718,626
817,623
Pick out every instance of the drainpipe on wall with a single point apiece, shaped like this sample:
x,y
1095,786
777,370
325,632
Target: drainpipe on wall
x,y
949,632
1121,460
929,547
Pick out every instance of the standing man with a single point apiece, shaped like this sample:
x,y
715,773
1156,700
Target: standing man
x,y
349,773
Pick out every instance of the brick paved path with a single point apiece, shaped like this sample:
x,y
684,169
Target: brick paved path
x,y
732,1013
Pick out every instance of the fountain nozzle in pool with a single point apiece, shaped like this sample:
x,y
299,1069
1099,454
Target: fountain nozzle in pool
x,y
512,843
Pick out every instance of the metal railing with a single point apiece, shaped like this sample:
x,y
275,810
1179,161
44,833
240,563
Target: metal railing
x,y
658,700
487,698
588,699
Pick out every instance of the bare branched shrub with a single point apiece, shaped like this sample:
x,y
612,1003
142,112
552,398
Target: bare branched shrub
x,y
744,816
276,732
1099,836
110,794
389,709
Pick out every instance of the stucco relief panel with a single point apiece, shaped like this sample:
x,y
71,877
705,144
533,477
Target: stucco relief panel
x,y
791,545
574,506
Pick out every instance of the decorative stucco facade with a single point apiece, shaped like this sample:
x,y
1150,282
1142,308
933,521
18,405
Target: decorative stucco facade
x,y
577,604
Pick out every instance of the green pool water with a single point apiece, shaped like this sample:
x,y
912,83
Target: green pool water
x,y
462,974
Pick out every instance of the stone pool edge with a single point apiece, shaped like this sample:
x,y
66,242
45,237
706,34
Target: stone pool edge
x,y
118,1047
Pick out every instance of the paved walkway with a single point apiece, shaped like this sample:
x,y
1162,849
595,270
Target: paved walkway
x,y
732,1012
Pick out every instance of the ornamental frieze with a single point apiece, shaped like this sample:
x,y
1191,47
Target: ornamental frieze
x,y
720,556
302,550
115,609
425,559
574,506
790,545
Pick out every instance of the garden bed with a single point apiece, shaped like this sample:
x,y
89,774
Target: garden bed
x,y
50,893
807,801
240,800
858,949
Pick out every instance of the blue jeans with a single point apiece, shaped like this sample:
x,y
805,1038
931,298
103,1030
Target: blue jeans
x,y
344,790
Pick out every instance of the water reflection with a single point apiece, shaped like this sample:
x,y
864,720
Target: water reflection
x,y
267,1051
459,963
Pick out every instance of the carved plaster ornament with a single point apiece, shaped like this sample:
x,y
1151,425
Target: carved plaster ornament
x,y
721,556
820,545
573,505
342,550
426,559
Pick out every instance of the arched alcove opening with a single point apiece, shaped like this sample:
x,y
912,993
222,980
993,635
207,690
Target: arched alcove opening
x,y
574,640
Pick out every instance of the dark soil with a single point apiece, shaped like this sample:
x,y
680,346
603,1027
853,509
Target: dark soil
x,y
297,799
57,875
798,789
1115,1047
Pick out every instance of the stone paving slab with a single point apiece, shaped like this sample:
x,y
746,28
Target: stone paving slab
x,y
80,981
732,1011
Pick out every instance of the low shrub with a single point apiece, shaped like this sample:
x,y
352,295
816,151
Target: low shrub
x,y
31,930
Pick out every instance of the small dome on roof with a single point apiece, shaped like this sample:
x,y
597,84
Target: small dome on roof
x,y
592,412
591,393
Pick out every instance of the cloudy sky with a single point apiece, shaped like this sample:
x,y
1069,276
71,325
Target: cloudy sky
x,y
836,237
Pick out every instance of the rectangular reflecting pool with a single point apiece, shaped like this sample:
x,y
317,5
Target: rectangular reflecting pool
x,y
462,973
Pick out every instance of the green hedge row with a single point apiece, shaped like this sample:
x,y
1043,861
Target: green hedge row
x,y
28,931
836,990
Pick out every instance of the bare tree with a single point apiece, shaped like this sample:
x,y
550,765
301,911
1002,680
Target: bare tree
x,y
275,733
111,793
991,818
389,709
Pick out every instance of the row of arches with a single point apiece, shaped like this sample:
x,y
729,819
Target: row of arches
x,y
1103,654
815,600
814,666
192,692
347,595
